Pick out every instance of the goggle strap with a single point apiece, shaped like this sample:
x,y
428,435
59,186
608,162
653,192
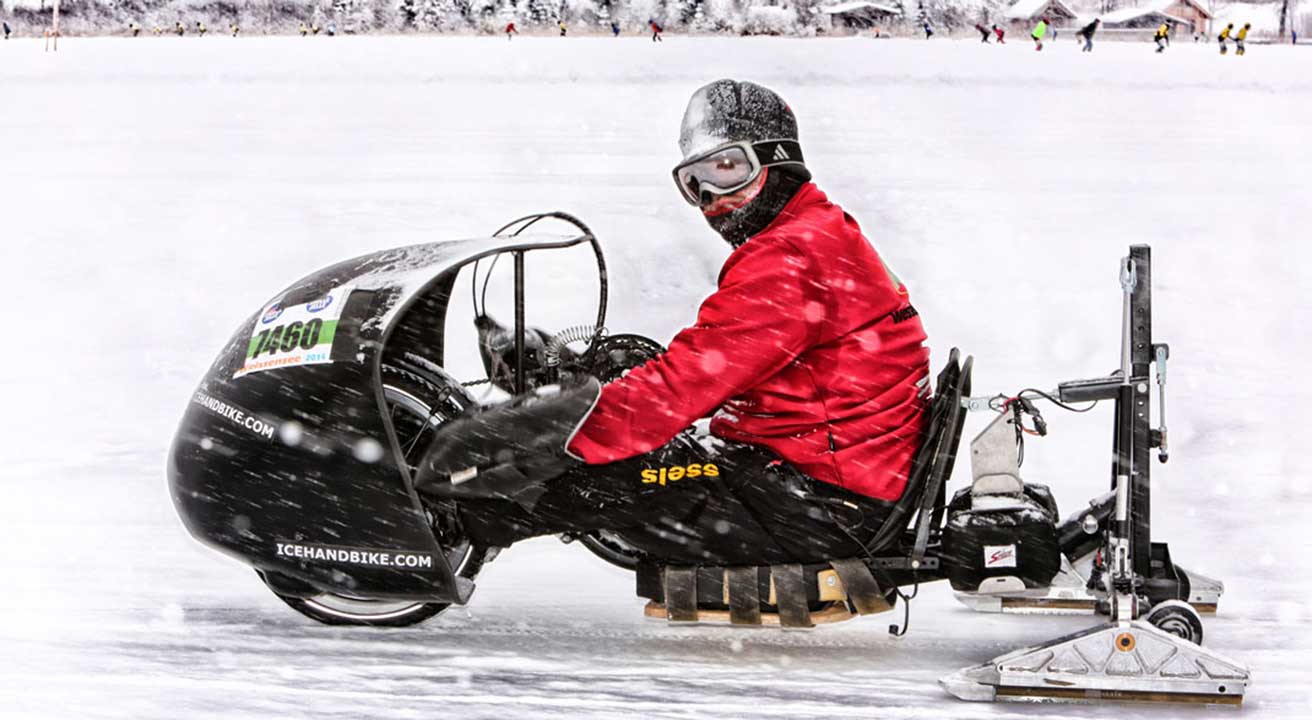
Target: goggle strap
x,y
778,152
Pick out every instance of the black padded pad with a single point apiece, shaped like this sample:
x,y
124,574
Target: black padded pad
x,y
790,596
861,587
681,594
744,595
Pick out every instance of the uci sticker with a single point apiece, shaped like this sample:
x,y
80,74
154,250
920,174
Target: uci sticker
x,y
293,335
996,556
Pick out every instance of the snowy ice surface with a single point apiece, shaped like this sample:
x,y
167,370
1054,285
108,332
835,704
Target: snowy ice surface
x,y
154,193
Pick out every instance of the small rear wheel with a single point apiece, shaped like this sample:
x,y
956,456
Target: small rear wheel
x,y
419,400
1178,618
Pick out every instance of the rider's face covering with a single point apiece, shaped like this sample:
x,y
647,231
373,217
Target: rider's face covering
x,y
747,212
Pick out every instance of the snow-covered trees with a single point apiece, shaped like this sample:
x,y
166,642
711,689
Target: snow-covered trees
x,y
773,17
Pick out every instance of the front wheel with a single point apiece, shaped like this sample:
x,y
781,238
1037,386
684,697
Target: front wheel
x,y
419,400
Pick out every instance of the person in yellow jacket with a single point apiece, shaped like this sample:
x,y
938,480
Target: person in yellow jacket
x,y
1224,36
1241,37
304,30
1162,37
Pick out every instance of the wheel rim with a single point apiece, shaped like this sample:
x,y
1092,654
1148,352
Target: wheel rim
x,y
415,418
1178,626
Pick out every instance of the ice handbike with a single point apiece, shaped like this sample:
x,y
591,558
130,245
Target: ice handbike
x,y
297,453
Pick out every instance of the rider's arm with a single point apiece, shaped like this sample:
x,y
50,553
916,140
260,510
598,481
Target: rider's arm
x,y
769,309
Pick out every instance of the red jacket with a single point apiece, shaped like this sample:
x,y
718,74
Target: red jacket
x,y
809,347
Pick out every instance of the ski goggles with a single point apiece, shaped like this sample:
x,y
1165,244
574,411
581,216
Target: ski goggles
x,y
731,167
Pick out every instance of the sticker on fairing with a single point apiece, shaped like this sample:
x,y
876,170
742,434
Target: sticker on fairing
x,y
996,556
295,334
369,557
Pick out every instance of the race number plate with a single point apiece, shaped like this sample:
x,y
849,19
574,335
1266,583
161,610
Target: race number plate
x,y
294,335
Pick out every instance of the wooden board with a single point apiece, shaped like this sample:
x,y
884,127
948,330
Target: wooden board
x,y
832,614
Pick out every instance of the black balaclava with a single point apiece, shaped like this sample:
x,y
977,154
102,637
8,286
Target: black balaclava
x,y
732,111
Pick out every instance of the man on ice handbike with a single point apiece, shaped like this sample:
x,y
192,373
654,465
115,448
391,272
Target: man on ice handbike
x,y
809,353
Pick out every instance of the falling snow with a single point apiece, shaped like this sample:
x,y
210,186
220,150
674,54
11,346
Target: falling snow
x,y
155,194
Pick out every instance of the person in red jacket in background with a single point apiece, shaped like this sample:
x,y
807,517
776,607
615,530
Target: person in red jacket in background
x,y
809,358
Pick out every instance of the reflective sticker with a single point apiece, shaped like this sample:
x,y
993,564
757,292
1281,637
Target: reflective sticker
x,y
996,556
295,334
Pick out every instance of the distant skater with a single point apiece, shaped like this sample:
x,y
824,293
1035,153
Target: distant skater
x,y
983,33
929,30
234,29
304,29
1162,37
134,29
656,31
1241,37
511,31
614,28
1040,31
179,29
8,31
1224,36
1002,35
1087,32
200,28
563,29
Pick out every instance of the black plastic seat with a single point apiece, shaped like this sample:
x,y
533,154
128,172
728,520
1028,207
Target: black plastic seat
x,y
933,462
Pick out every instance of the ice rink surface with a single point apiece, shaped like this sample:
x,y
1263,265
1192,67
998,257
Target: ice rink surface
x,y
154,193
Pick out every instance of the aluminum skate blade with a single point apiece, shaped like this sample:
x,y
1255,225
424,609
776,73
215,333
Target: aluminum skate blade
x,y
1021,605
1204,592
1113,662
1048,606
1009,694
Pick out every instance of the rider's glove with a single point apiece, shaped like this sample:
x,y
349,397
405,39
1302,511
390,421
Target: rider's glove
x,y
511,450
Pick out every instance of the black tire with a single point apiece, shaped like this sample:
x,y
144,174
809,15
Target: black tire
x,y
420,398
1178,618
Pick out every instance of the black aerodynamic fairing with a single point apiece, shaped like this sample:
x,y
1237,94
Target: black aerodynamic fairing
x,y
286,456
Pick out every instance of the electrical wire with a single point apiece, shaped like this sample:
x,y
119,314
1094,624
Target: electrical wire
x,y
1092,404
906,599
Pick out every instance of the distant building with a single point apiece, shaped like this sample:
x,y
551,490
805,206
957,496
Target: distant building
x,y
1182,15
859,15
1025,14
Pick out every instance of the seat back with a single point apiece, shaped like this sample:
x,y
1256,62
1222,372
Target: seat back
x,y
932,464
